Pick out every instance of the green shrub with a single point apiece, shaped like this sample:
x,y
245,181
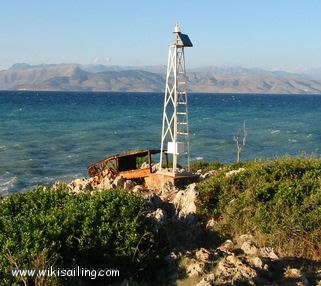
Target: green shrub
x,y
52,227
205,166
278,201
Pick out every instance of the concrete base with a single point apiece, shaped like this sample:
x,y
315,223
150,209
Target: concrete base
x,y
155,181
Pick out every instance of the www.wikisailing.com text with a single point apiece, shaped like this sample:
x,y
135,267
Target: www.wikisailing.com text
x,y
77,271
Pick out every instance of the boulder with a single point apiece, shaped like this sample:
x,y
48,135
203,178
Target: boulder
x,y
203,255
129,184
80,185
210,225
195,268
208,280
105,184
119,182
256,262
159,215
184,201
56,185
231,269
234,172
249,248
268,252
155,167
224,250
139,189
167,190
292,273
208,174
227,246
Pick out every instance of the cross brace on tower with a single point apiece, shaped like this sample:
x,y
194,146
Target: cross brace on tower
x,y
175,115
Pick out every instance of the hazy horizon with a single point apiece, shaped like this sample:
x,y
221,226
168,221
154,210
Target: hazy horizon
x,y
194,67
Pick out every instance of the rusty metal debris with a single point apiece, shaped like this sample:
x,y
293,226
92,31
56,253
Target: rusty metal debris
x,y
126,165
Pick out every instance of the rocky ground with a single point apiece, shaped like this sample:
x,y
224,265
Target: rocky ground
x,y
199,256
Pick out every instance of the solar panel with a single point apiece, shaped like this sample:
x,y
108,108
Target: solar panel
x,y
185,40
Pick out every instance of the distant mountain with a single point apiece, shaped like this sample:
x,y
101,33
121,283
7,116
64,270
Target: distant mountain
x,y
312,73
104,68
67,77
241,71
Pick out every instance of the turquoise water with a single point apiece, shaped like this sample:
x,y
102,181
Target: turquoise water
x,y
49,136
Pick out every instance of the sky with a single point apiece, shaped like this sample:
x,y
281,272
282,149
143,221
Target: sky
x,y
268,34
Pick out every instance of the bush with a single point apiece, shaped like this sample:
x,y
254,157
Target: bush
x,y
205,166
278,201
52,227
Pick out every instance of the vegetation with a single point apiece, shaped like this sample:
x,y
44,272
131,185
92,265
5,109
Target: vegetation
x,y
205,166
277,201
47,227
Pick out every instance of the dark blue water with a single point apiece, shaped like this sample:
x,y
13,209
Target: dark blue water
x,y
49,136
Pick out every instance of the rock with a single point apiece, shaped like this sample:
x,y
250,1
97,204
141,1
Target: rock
x,y
105,184
184,201
167,190
249,248
159,215
56,185
210,225
231,269
234,172
292,273
155,167
244,237
129,184
208,174
256,262
204,176
194,269
219,253
154,200
227,246
224,249
80,185
295,273
203,255
139,189
268,252
207,281
119,182
145,165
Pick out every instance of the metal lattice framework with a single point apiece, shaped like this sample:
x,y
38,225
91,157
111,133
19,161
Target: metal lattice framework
x,y
175,115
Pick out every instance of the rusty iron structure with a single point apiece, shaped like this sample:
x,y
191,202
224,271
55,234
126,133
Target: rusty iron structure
x,y
125,165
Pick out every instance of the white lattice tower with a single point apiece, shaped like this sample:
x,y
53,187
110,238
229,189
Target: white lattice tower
x,y
175,115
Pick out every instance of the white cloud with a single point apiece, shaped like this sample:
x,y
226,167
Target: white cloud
x,y
101,60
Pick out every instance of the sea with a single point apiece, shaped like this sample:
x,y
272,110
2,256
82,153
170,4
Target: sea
x,y
53,136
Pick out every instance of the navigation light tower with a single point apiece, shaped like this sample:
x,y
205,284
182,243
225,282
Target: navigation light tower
x,y
175,115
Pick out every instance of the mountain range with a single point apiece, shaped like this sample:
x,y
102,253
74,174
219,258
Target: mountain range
x,y
76,77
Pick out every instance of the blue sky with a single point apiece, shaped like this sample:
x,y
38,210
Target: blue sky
x,y
274,34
